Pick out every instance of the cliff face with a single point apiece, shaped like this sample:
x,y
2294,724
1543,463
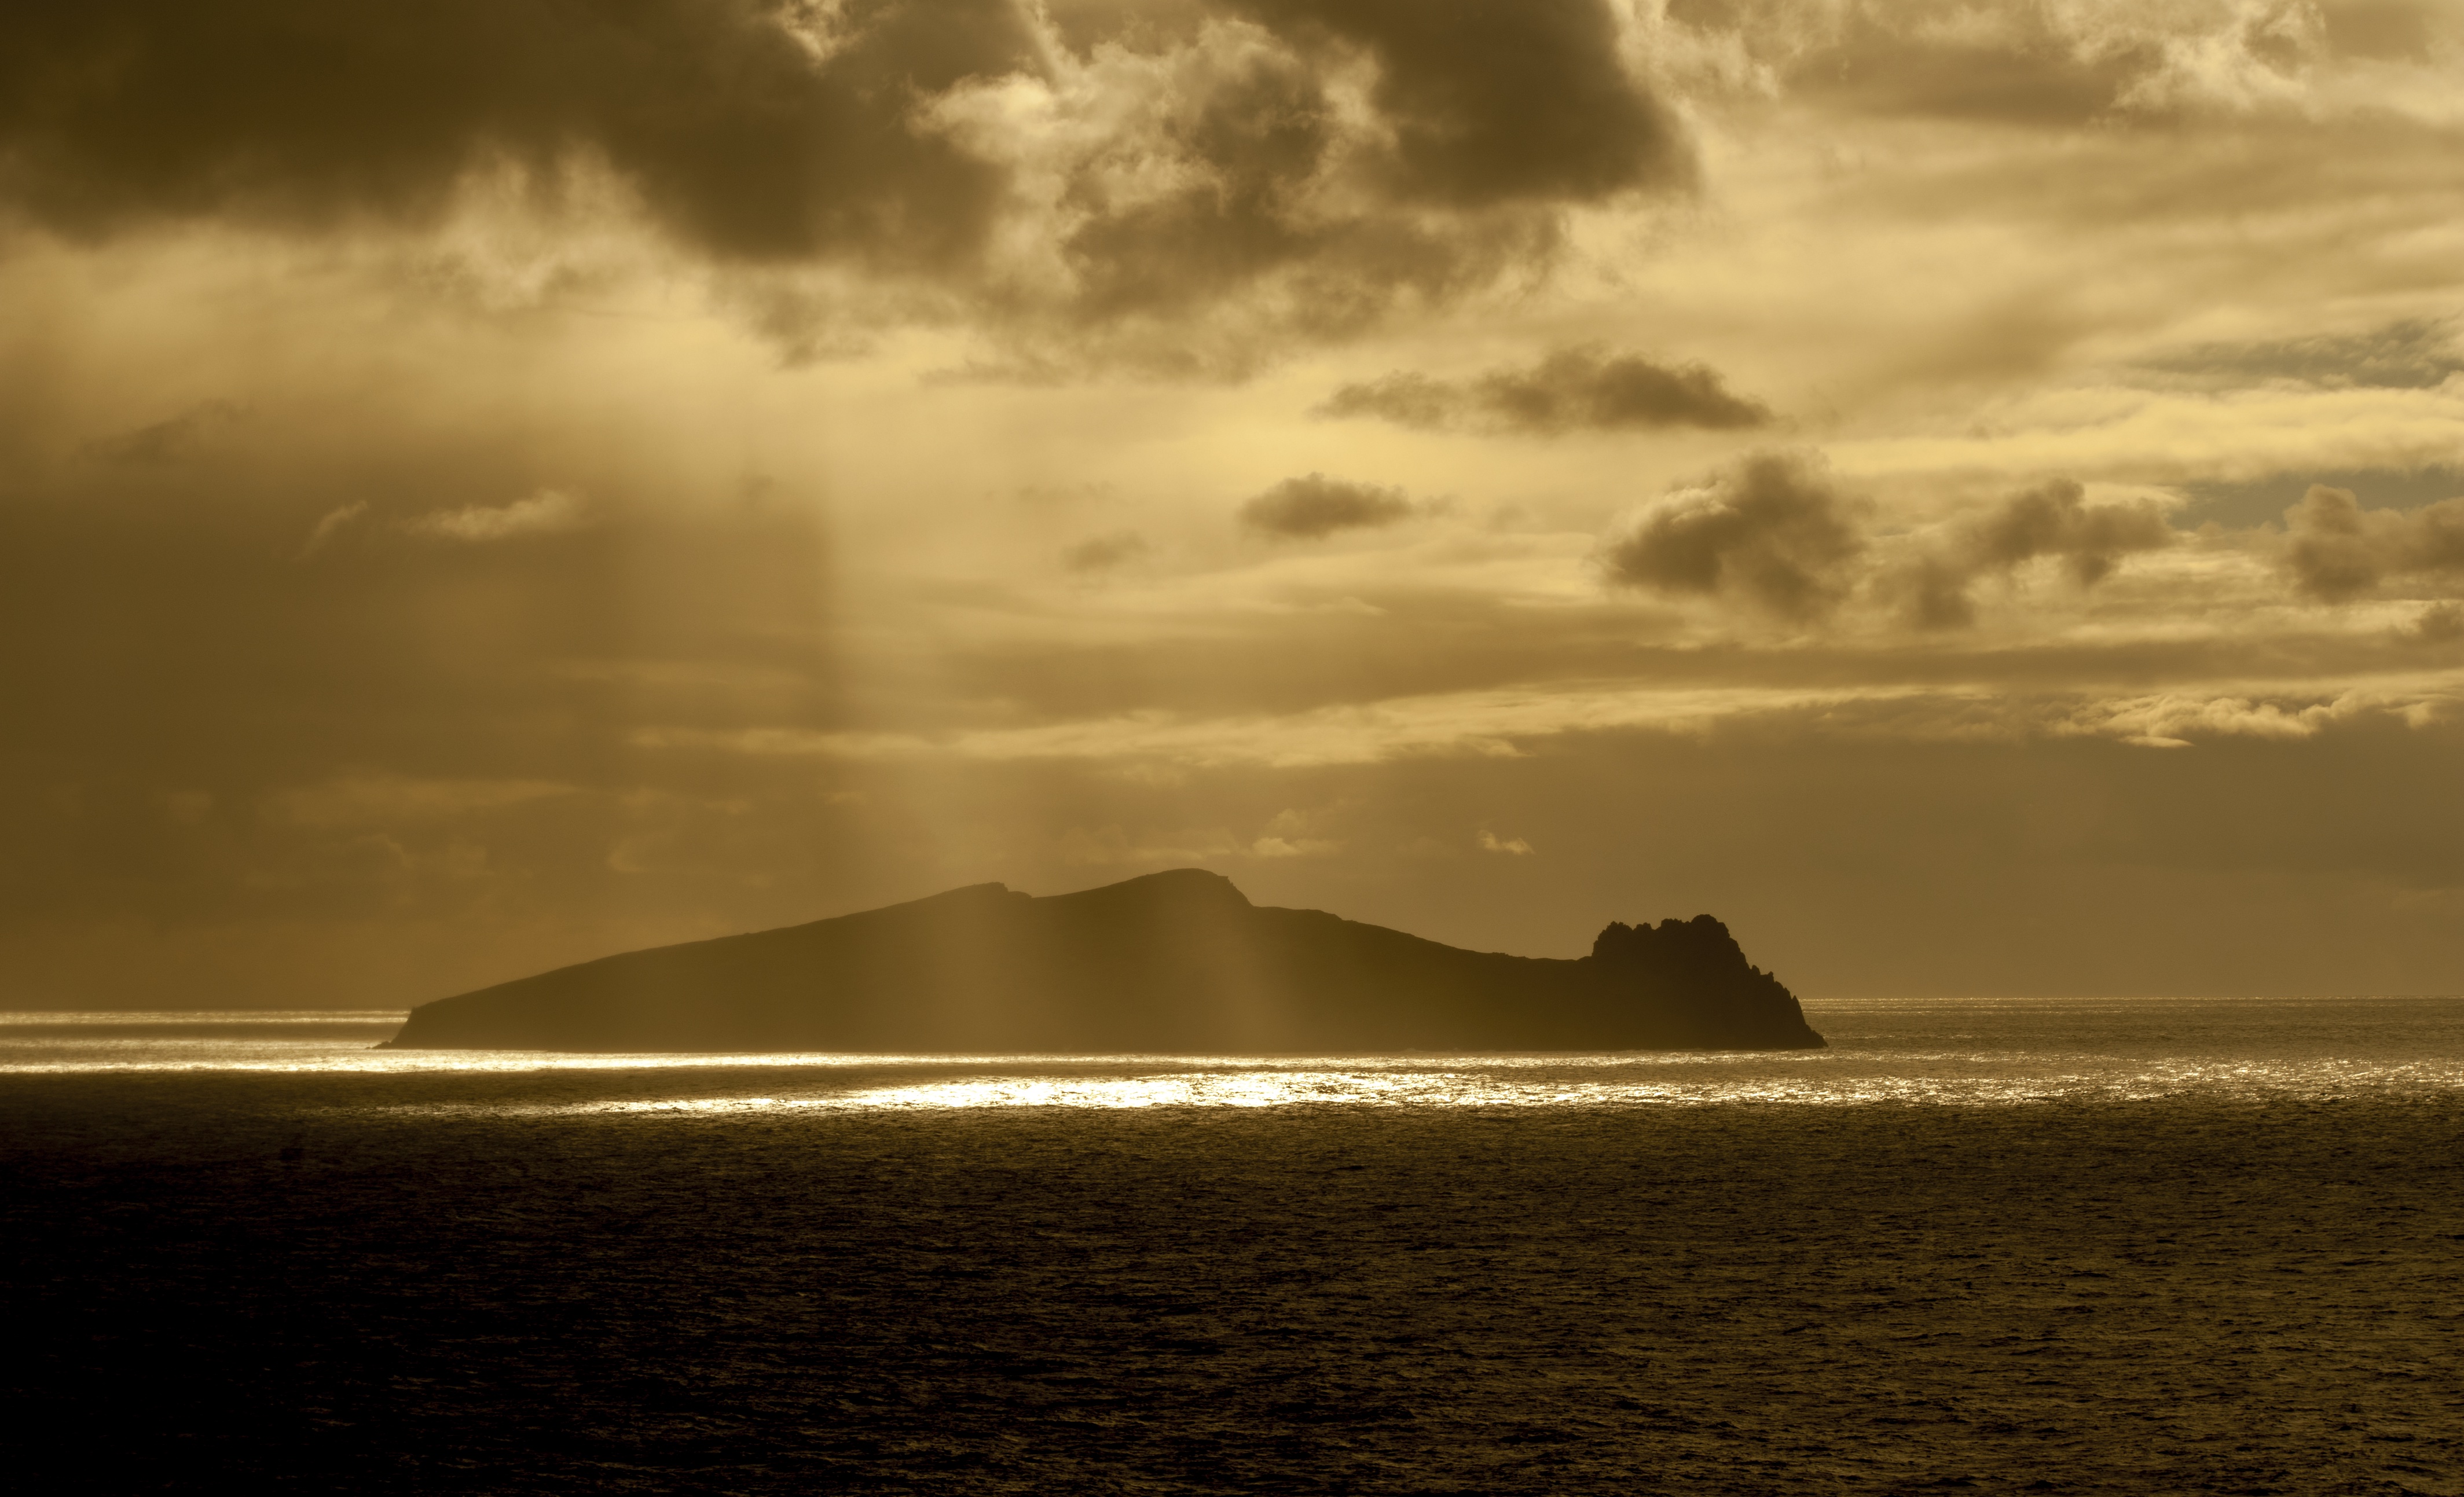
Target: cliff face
x,y
1177,962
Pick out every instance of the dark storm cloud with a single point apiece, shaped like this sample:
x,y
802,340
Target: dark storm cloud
x,y
1318,505
1499,102
2339,550
1257,140
781,133
1771,531
2053,519
739,138
1488,119
1576,389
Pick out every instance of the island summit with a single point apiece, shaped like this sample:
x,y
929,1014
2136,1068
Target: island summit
x,y
1178,962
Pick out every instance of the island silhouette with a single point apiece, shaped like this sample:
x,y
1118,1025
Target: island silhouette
x,y
1173,962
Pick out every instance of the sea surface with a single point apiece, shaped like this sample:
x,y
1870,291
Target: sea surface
x,y
2130,1246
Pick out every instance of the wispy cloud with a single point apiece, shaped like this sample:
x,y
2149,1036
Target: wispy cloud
x,y
1509,722
331,524
386,799
546,513
169,441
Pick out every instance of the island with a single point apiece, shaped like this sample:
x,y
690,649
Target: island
x,y
1178,962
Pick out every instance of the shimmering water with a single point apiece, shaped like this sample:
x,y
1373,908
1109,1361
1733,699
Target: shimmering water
x,y
1968,1051
2129,1246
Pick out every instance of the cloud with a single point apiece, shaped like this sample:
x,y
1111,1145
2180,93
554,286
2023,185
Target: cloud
x,y
2340,550
2012,67
548,512
1770,531
2174,719
1103,552
2104,63
1252,129
2137,435
2383,29
167,441
1525,100
748,130
2055,521
1292,834
2439,623
1280,838
1504,723
1576,389
1773,531
331,524
1303,169
1262,171
1314,506
2409,353
2051,519
1511,847
380,801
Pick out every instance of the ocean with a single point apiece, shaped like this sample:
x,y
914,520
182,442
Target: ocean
x,y
2127,1245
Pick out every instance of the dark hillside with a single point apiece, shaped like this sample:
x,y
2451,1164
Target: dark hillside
x,y
1173,962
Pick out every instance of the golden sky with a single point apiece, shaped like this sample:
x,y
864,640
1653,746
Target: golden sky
x,y
1966,492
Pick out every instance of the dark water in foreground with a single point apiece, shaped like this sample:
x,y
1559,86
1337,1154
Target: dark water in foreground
x,y
2167,1247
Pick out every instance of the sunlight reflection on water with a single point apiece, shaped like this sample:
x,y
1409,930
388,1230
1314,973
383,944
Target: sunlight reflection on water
x,y
1882,1078
1981,1052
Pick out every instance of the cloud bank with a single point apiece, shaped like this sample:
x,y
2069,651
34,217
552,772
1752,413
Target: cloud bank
x,y
2052,521
2340,551
1578,389
1308,167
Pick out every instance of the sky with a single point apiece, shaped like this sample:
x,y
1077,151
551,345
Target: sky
x,y
1971,494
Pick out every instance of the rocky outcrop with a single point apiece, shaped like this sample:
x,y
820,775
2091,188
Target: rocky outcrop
x,y
1178,962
